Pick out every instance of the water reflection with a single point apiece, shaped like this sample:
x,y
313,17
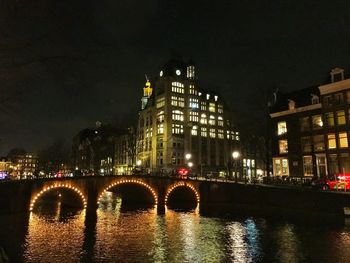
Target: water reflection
x,y
51,237
115,233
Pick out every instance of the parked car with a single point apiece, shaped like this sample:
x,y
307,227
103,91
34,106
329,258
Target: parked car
x,y
337,182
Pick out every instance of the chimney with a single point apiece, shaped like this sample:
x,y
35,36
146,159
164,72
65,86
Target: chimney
x,y
291,104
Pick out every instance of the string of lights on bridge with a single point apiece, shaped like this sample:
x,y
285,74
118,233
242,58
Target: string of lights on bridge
x,y
182,184
68,186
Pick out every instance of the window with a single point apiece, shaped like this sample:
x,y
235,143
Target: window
x,y
220,134
306,144
330,119
280,166
212,107
348,97
338,99
203,105
212,120
340,117
343,140
283,146
160,117
177,115
220,108
304,124
203,118
281,127
317,122
318,143
177,128
160,128
212,133
204,132
315,99
327,101
307,165
192,90
194,130
177,87
193,103
220,121
178,101
194,116
160,102
331,141
190,72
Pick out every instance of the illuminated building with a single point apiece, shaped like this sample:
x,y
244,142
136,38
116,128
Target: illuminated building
x,y
93,150
23,165
125,152
4,164
310,130
178,117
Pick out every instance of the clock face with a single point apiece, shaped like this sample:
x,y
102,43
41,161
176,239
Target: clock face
x,y
178,72
161,73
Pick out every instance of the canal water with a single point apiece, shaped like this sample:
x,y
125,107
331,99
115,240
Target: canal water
x,y
128,234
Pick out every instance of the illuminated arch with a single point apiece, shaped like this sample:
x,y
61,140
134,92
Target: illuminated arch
x,y
183,184
129,181
46,189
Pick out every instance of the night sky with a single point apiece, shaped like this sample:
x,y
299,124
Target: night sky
x,y
66,64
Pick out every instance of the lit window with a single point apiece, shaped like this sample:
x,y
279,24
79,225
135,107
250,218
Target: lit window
x,y
203,119
343,140
160,117
234,136
203,105
192,90
317,122
280,166
177,115
307,164
220,121
340,117
160,102
194,130
208,96
216,98
204,132
177,128
160,129
190,72
177,87
211,120
221,134
193,103
212,133
331,141
281,127
193,116
212,107
177,101
220,108
283,146
330,119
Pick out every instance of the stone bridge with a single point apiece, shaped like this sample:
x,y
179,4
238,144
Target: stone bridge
x,y
22,196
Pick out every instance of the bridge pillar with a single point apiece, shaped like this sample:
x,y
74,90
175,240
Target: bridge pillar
x,y
92,196
161,200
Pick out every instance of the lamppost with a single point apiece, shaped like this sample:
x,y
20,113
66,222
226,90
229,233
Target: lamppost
x,y
138,165
188,157
235,156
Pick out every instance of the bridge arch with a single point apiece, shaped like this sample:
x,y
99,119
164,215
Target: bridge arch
x,y
56,186
129,181
181,184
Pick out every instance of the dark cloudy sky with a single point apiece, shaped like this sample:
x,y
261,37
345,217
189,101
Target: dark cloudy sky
x,y
66,64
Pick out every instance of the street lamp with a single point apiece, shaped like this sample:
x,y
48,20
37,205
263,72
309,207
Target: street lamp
x,y
188,156
235,156
190,164
138,162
